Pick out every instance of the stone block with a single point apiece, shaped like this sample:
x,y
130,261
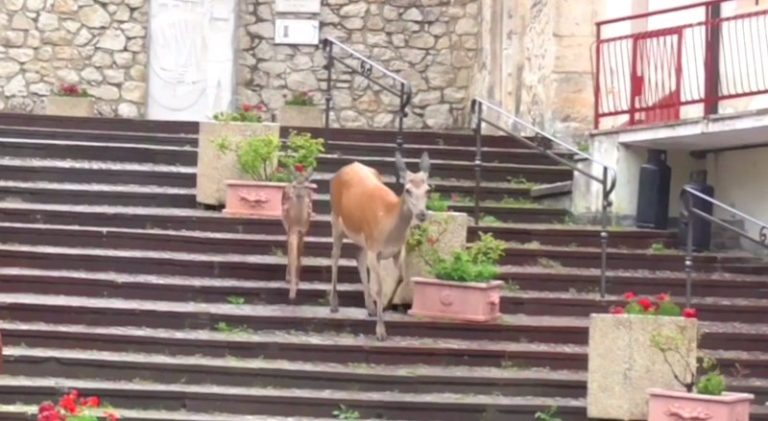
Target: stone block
x,y
623,364
215,167
301,116
70,106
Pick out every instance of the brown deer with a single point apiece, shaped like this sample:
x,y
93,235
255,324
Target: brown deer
x,y
297,212
372,216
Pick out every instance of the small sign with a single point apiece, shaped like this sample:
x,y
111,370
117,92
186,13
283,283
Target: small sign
x,y
297,6
297,31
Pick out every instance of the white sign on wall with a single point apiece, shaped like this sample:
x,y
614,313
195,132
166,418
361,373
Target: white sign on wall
x,y
297,6
297,31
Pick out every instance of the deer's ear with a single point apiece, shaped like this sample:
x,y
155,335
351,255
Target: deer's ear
x,y
424,163
400,166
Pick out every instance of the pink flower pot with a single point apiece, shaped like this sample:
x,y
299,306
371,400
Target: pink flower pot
x,y
461,301
254,199
667,405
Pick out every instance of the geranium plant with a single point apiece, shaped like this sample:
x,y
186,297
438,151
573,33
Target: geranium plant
x,y
246,113
660,305
71,90
476,263
73,407
301,99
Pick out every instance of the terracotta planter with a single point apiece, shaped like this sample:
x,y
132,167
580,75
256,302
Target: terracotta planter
x,y
301,116
623,364
667,405
214,167
70,106
460,301
452,229
254,199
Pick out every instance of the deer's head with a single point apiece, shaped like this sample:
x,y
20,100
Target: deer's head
x,y
415,186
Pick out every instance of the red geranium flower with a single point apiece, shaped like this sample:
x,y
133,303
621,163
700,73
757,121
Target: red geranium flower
x,y
247,107
90,402
298,168
617,310
46,407
260,107
111,416
662,298
645,303
629,296
690,313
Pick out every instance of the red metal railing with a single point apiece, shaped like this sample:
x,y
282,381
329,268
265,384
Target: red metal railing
x,y
647,77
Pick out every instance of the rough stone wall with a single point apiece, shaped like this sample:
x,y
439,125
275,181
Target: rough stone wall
x,y
431,43
99,45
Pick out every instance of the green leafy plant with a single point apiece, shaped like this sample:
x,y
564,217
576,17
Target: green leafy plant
x,y
301,99
257,155
235,300
246,113
476,263
436,203
548,415
223,327
344,413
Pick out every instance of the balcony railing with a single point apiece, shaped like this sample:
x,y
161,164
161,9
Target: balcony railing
x,y
649,76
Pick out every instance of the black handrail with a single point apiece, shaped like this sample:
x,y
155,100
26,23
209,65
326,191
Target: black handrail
x,y
607,181
688,211
365,68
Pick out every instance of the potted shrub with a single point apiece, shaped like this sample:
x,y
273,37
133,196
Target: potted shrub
x,y
623,364
70,100
73,407
463,286
300,111
704,396
443,232
218,141
271,165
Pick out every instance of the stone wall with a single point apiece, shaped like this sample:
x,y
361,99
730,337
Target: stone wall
x,y
431,43
99,45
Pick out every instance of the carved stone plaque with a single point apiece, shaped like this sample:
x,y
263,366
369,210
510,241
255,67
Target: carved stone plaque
x,y
297,31
297,6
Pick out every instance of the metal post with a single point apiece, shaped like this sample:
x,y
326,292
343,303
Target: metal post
x,y
597,77
328,87
399,140
478,111
688,247
712,60
604,235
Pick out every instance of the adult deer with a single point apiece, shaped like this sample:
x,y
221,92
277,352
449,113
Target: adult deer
x,y
297,212
372,216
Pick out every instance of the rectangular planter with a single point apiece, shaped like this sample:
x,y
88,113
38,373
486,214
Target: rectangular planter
x,y
215,167
623,364
70,106
301,116
667,405
452,227
254,199
458,301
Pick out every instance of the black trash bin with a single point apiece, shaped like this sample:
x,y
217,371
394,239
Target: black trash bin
x,y
653,192
702,229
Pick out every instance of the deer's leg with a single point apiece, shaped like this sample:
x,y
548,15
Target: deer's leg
x,y
293,262
373,263
362,267
338,237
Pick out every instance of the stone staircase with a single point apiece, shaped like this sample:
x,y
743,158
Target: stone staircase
x,y
113,282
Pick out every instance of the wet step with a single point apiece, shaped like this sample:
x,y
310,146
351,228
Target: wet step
x,y
96,194
218,291
227,317
292,402
84,172
19,412
230,371
493,152
98,151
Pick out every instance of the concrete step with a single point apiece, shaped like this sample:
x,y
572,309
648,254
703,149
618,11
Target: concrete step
x,y
158,368
218,291
107,124
95,135
83,172
292,402
96,194
96,151
225,317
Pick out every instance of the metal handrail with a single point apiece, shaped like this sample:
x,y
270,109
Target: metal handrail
x,y
365,68
607,181
686,197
